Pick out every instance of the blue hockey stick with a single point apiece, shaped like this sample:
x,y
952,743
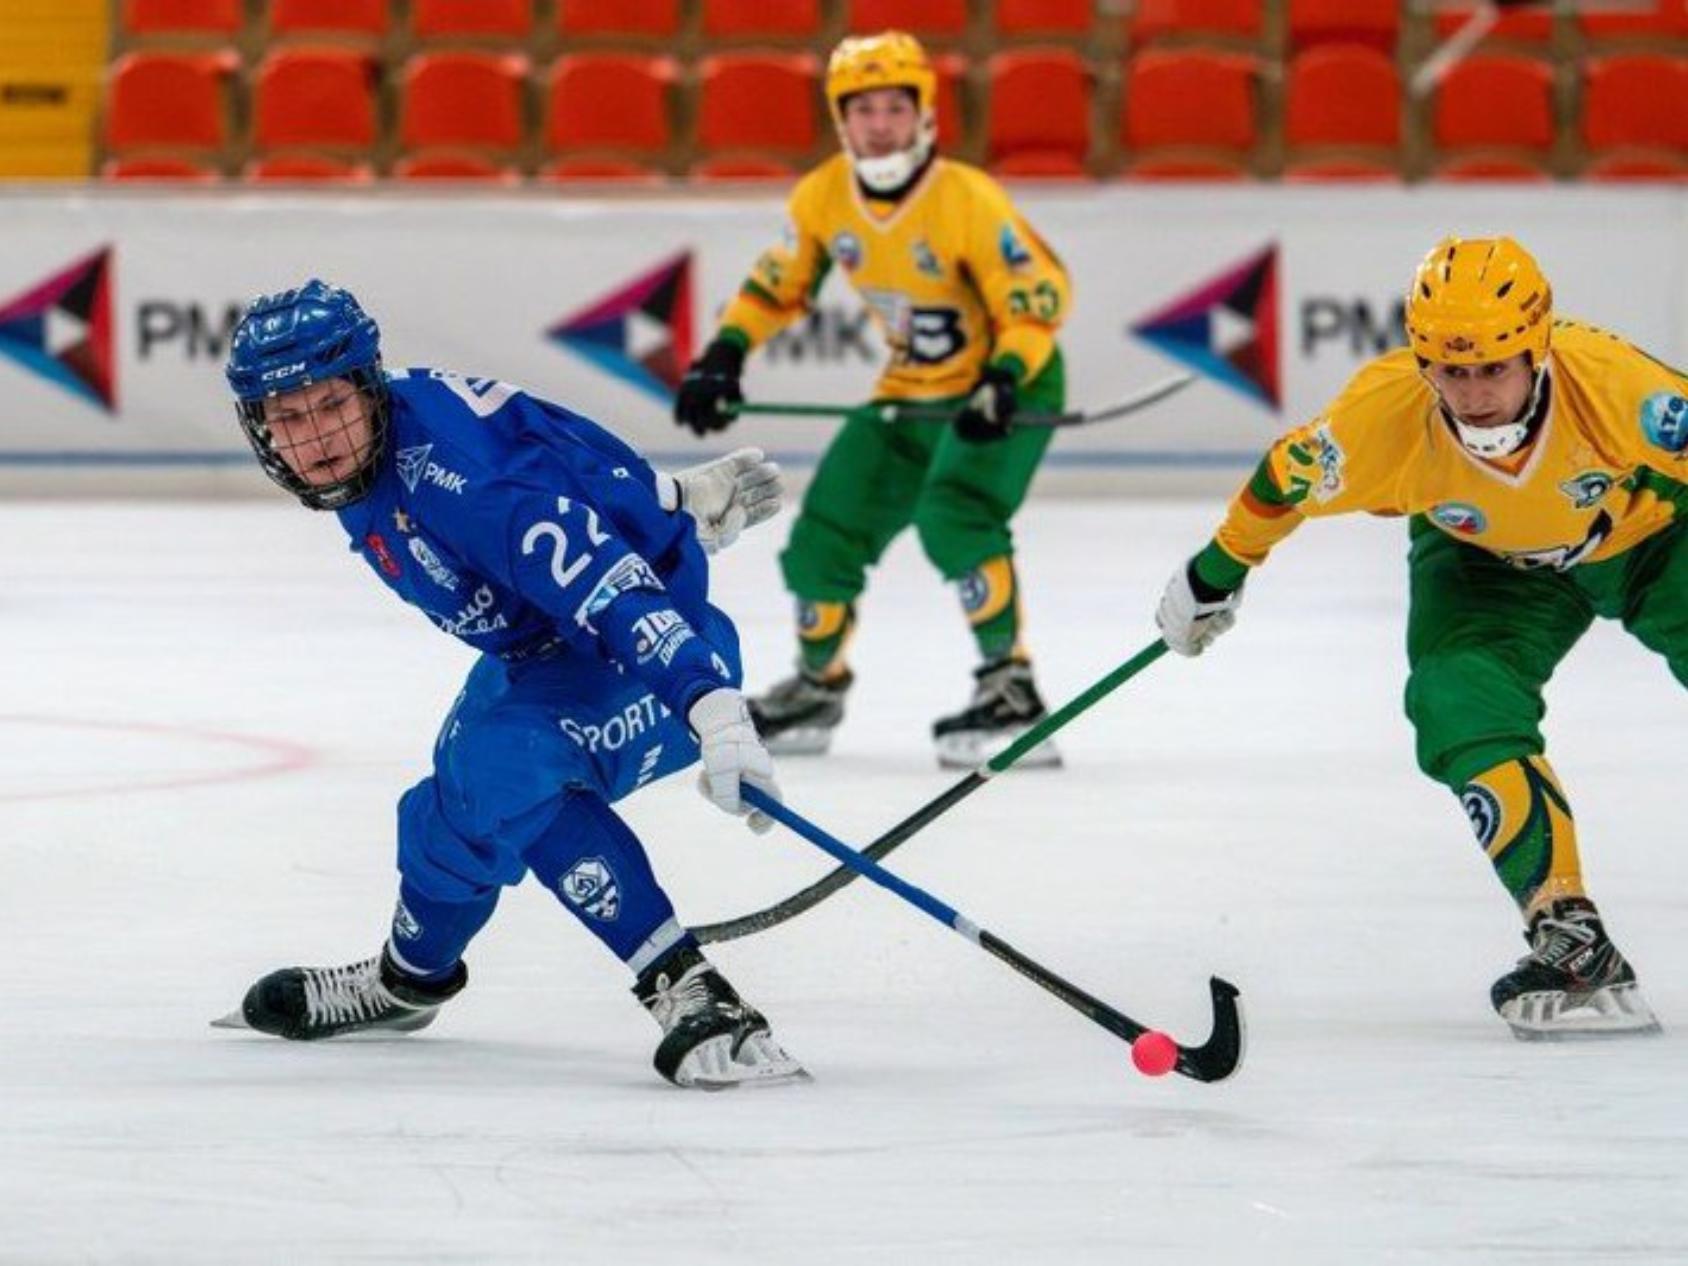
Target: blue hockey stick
x,y
1214,1060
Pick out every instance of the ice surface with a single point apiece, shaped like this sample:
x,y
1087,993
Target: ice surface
x,y
209,710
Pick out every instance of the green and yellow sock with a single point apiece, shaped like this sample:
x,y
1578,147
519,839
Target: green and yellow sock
x,y
823,631
1523,822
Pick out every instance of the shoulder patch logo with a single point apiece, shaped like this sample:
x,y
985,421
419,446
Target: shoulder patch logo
x,y
1014,252
1587,489
412,462
846,248
1459,517
1318,451
1664,421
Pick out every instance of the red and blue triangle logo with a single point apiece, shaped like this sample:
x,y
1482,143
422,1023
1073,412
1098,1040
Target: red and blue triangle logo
x,y
1227,328
61,329
641,332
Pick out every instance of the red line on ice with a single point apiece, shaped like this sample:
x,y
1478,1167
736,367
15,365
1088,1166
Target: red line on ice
x,y
283,757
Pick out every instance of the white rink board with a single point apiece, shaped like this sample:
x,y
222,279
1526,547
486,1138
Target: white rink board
x,y
473,283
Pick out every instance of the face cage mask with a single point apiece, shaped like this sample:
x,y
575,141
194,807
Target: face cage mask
x,y
1499,441
372,383
889,173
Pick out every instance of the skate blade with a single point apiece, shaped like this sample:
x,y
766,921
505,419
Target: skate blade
x,y
235,1019
1554,1016
712,1065
799,742
969,751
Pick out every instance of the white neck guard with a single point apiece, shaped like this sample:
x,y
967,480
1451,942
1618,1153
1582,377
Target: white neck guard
x,y
1500,441
890,172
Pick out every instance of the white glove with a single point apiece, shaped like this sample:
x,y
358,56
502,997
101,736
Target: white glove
x,y
1186,622
729,494
732,753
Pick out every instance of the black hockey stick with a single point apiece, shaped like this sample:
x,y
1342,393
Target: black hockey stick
x,y
932,810
1214,1060
917,411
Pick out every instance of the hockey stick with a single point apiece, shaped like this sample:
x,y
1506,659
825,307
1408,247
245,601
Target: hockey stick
x,y
916,411
1214,1060
932,810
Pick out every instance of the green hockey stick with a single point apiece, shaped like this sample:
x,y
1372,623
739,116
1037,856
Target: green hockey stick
x,y
932,810
918,411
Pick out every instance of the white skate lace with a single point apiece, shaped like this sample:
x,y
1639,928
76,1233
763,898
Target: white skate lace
x,y
340,995
1563,938
684,997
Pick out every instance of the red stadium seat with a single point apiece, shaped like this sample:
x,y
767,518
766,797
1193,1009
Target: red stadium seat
x,y
1663,19
158,168
169,100
1342,94
323,97
1628,166
1040,165
363,18
316,169
738,19
1185,169
1191,97
650,19
609,101
464,168
1635,99
1479,169
1044,17
465,19
758,101
600,171
1495,99
1039,104
1155,19
183,17
941,18
1341,171
951,69
463,99
1375,22
1533,25
739,170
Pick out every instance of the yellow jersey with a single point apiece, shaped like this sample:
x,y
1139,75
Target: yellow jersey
x,y
952,274
1584,490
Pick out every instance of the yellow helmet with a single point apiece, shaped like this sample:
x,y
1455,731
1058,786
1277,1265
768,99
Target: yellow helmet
x,y
1476,300
891,59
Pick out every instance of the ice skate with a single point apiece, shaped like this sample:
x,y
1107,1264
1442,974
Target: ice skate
x,y
797,716
307,1003
1005,705
712,1039
1573,982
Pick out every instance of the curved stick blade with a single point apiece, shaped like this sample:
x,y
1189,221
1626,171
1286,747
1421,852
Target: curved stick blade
x,y
1218,1057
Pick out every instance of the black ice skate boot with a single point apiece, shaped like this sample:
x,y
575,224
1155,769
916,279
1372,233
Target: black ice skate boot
x,y
798,715
1573,982
1005,705
306,1003
711,1039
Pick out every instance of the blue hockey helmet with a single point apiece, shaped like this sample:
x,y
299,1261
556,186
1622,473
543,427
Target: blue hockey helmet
x,y
289,342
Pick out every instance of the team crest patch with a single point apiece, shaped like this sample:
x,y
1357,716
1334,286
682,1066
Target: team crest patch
x,y
1459,517
412,462
1482,806
925,262
1014,252
1664,420
1322,451
1588,489
975,591
846,248
404,922
591,885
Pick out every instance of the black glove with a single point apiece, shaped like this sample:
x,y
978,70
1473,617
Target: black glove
x,y
990,407
709,394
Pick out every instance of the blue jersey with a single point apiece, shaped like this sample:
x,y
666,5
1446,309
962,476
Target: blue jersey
x,y
530,532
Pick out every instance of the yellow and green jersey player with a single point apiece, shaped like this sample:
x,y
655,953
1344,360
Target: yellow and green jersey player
x,y
1542,463
968,298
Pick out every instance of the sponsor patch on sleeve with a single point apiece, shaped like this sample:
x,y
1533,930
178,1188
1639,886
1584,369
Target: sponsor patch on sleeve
x,y
1664,421
628,574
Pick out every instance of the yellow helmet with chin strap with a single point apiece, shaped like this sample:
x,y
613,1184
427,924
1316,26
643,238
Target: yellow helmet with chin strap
x,y
1478,300
891,59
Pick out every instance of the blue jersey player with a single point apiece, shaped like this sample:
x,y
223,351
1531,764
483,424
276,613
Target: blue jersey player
x,y
579,573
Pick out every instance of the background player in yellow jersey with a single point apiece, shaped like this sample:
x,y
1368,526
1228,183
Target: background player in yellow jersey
x,y
1543,464
969,299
